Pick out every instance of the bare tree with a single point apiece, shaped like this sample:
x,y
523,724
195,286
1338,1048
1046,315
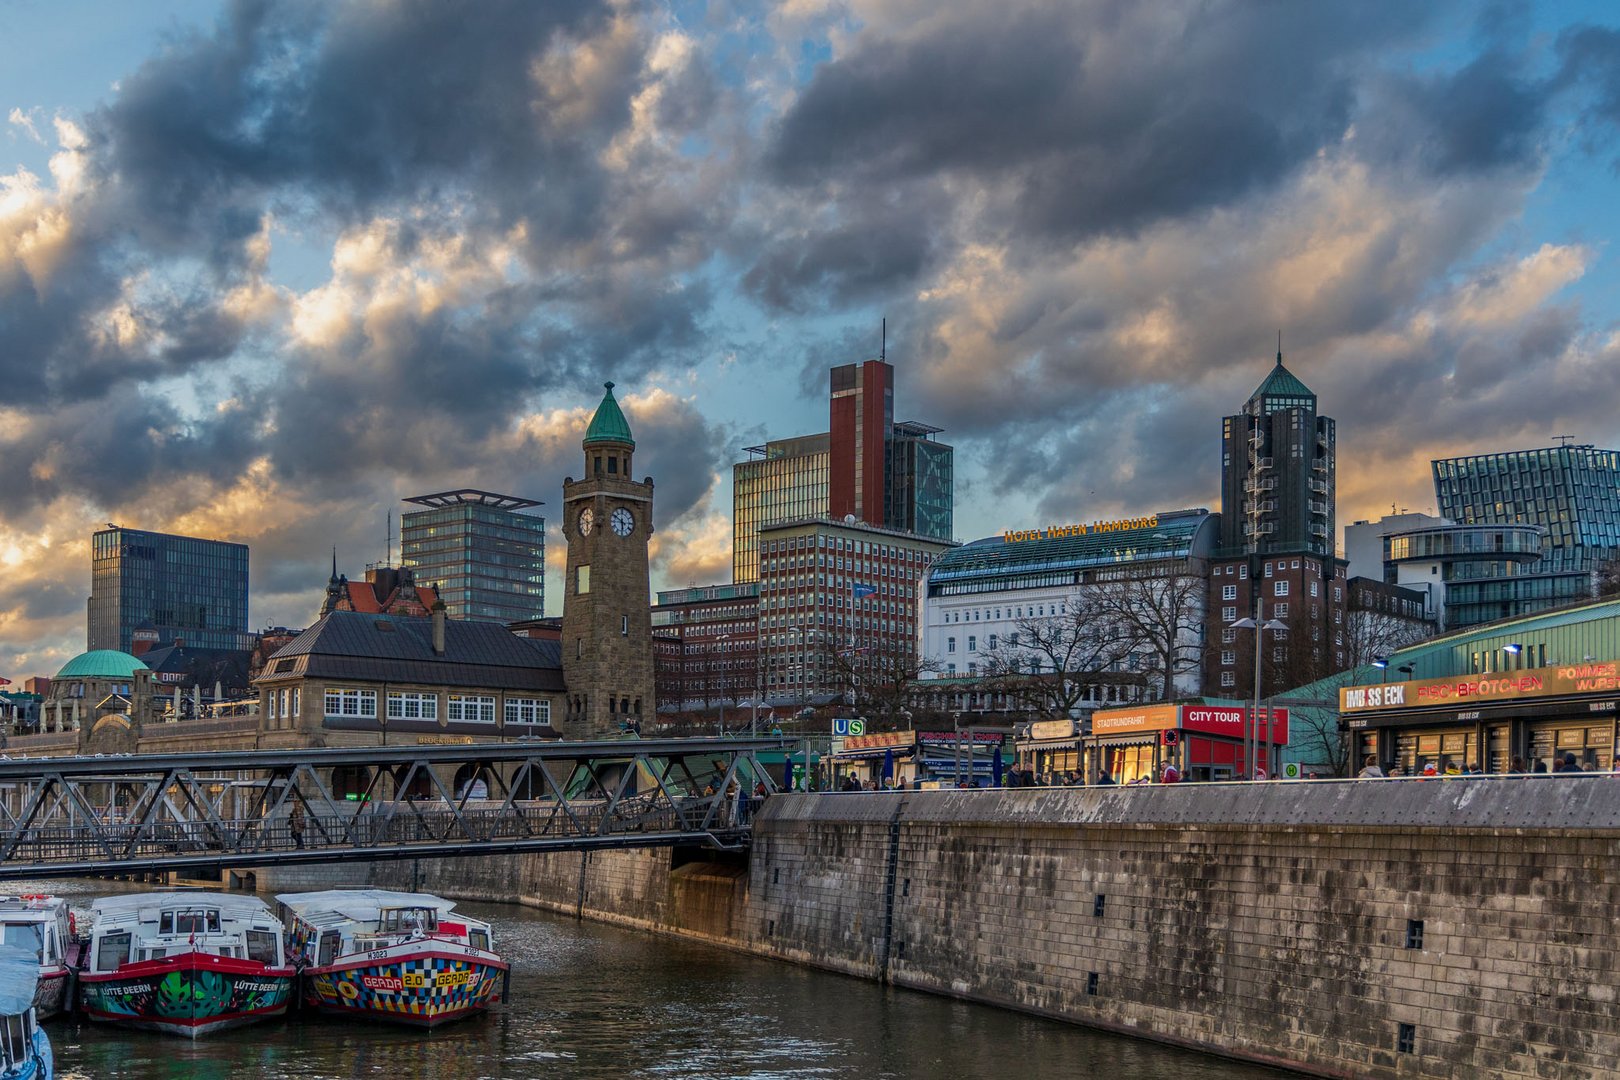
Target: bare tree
x,y
1607,577
1161,616
878,678
1050,664
1369,635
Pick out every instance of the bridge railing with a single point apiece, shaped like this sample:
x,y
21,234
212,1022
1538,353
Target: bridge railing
x,y
86,815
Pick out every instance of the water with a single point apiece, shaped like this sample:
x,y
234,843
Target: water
x,y
591,1001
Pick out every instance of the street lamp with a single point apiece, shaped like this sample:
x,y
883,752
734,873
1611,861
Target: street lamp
x,y
1257,624
1513,648
1382,664
1405,669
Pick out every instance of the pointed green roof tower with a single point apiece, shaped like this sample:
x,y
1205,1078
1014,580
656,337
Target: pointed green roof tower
x,y
609,424
1280,390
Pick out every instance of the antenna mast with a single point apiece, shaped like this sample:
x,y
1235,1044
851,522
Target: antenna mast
x,y
390,561
1564,440
883,345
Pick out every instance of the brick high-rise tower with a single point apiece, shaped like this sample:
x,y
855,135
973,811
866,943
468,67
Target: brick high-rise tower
x,y
607,627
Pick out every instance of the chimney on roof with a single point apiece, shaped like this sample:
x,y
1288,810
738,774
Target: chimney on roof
x,y
438,628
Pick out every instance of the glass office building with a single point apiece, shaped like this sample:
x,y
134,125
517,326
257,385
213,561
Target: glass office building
x,y
184,587
921,492
1571,492
487,560
784,480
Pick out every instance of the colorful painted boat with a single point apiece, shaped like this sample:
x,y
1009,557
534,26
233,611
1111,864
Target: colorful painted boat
x,y
25,1049
184,963
394,956
41,925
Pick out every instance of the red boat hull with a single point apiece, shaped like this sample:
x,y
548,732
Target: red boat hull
x,y
191,994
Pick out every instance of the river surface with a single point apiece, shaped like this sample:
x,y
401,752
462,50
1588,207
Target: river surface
x,y
593,1001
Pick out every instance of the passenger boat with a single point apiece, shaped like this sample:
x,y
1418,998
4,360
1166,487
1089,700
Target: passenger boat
x,y
398,956
41,925
25,1050
184,963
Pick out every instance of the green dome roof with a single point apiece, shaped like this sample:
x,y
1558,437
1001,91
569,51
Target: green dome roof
x,y
609,424
101,664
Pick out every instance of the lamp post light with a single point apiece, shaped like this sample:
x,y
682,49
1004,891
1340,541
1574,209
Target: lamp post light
x,y
1513,648
1405,669
1251,735
1382,664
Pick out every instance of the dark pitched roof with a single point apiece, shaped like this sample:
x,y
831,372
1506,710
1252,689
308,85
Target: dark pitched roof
x,y
393,648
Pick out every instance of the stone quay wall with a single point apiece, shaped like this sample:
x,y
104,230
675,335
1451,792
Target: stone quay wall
x,y
1360,928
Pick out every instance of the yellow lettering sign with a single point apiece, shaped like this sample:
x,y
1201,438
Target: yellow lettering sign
x,y
1059,532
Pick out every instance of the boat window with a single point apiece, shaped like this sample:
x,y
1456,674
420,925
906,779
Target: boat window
x,y
195,921
16,1039
112,950
402,919
478,939
261,947
329,948
28,935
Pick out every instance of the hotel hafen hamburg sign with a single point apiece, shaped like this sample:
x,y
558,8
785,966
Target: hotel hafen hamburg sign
x,y
1057,532
1532,684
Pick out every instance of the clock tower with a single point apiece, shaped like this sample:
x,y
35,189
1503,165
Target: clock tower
x,y
607,653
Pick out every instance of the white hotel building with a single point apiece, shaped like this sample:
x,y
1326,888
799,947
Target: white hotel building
x,y
975,596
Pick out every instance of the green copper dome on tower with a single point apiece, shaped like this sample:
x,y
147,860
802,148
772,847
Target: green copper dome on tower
x,y
609,424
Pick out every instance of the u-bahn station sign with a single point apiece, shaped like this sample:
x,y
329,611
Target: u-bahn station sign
x,y
1532,686
1058,532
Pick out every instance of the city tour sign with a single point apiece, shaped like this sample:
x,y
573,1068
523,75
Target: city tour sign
x,y
1531,684
1225,720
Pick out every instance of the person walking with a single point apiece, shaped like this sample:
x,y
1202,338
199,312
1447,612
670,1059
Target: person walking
x,y
1370,769
295,824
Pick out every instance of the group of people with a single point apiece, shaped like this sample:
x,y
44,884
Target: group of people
x,y
1565,764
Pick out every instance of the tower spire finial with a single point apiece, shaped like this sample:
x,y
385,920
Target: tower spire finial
x,y
1279,347
334,562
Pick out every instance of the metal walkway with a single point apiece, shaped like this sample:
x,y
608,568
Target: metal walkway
x,y
65,817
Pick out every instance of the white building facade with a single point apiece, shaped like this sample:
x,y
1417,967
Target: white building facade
x,y
975,598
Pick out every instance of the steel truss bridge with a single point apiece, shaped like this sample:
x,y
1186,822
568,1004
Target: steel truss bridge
x,y
202,812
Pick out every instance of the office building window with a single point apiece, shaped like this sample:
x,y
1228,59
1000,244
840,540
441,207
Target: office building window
x,y
533,711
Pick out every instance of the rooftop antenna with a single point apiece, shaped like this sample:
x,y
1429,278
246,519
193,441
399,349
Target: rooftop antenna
x,y
1564,440
390,561
883,344
1279,348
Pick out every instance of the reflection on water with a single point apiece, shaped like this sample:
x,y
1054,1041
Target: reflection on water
x,y
591,1001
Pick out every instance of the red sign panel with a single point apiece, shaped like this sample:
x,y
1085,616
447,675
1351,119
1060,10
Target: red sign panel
x,y
1222,720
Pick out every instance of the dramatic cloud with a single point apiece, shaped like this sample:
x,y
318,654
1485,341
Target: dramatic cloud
x,y
312,258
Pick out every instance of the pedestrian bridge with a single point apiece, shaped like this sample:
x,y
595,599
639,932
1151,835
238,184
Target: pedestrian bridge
x,y
64,817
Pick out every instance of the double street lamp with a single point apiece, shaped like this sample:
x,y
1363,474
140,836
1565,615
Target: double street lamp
x,y
1251,737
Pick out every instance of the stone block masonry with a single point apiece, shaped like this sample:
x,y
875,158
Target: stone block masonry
x,y
1384,929
1442,929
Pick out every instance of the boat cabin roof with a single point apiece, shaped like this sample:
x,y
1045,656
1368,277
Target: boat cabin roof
x,y
132,908
19,974
358,905
31,908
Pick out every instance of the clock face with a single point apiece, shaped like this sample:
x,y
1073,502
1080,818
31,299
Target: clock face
x,y
623,522
587,521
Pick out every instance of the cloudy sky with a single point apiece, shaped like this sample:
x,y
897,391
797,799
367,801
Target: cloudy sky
x,y
267,267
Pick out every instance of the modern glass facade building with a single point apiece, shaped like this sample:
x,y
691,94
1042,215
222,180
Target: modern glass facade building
x,y
184,587
921,493
784,480
1472,574
487,560
866,467
1571,493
